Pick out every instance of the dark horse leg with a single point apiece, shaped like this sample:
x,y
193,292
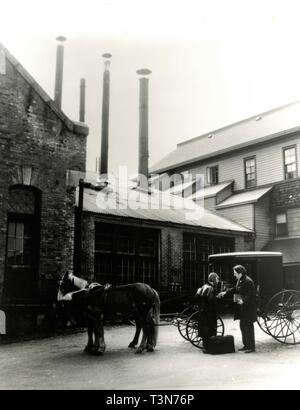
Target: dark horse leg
x,y
138,329
150,331
99,346
90,329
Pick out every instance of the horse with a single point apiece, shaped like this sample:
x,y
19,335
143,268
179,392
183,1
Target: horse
x,y
95,300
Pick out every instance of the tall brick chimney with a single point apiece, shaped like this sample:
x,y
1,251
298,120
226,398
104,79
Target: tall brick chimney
x,y
105,115
82,101
59,70
143,124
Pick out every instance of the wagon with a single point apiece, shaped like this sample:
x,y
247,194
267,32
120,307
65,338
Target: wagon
x,y
278,308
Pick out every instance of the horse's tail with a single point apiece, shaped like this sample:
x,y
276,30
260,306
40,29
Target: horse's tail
x,y
156,313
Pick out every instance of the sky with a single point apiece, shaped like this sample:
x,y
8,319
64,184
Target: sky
x,y
213,63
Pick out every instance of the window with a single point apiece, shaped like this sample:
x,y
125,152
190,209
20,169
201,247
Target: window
x,y
290,162
18,245
212,174
250,172
281,224
22,245
125,254
196,249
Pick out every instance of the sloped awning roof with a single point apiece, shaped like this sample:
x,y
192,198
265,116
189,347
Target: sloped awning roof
x,y
178,189
290,249
247,197
211,191
257,129
141,208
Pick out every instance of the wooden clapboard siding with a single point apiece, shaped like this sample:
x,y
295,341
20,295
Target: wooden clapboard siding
x,y
242,214
269,163
263,222
210,203
224,194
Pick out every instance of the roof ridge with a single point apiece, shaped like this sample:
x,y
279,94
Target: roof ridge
x,y
205,135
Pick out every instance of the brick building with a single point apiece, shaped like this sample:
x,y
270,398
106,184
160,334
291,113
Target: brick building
x,y
251,170
38,144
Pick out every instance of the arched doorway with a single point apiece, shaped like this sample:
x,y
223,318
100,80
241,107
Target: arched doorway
x,y
22,245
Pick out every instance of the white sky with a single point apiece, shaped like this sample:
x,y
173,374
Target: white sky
x,y
214,62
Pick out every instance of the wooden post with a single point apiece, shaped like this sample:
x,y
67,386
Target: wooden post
x,y
78,231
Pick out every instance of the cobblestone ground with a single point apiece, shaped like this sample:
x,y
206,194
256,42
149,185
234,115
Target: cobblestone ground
x,y
59,363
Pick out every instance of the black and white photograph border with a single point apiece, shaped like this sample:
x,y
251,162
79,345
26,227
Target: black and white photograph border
x,y
149,197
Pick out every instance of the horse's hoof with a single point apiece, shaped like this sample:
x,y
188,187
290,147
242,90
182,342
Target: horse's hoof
x,y
131,346
97,353
150,349
102,349
88,350
139,351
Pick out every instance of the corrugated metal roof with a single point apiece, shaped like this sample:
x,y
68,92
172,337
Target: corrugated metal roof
x,y
246,197
290,249
141,207
256,129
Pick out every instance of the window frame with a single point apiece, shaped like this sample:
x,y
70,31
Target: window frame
x,y
253,157
277,235
294,146
208,174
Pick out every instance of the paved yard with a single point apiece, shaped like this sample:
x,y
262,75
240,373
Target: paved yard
x,y
59,363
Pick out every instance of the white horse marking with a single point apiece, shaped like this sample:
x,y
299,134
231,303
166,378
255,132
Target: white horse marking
x,y
79,283
66,298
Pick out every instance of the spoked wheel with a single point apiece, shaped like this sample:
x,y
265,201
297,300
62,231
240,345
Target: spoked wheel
x,y
262,322
192,330
282,318
182,321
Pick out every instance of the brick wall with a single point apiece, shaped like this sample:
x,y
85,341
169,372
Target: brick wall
x,y
33,135
286,194
171,256
239,244
88,248
293,219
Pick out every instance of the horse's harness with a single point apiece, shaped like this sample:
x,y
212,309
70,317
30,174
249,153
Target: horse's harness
x,y
94,288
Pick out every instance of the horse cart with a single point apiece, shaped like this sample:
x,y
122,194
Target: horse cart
x,y
278,308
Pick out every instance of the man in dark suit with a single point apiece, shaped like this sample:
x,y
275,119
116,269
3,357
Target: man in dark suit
x,y
244,295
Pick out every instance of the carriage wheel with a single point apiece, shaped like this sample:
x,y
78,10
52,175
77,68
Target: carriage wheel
x,y
262,322
192,330
282,317
181,321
